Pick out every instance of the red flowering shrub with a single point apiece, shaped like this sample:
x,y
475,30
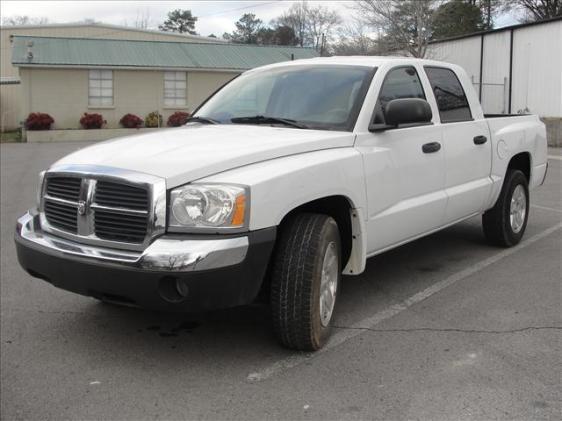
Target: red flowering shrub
x,y
179,118
131,121
38,121
92,121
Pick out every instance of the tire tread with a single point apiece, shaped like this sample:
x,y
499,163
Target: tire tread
x,y
495,222
291,286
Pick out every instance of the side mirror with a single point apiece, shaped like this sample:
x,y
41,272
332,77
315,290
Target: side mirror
x,y
405,111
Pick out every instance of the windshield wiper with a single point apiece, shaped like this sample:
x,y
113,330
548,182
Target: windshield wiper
x,y
204,120
262,119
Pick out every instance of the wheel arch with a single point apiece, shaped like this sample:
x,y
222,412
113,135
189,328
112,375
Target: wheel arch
x,y
350,225
521,161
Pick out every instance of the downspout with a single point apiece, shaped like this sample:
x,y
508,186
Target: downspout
x,y
481,68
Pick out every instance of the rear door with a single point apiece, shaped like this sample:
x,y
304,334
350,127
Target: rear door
x,y
467,146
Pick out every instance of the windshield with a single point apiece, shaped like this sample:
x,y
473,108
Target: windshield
x,y
319,97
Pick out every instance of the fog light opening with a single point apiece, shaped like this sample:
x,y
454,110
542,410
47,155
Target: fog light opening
x,y
172,289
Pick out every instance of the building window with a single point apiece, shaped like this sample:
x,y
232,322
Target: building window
x,y
175,89
100,88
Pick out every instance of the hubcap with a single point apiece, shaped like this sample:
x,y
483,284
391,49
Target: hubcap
x,y
518,209
328,284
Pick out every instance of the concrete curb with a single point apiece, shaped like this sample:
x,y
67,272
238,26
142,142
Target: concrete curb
x,y
77,135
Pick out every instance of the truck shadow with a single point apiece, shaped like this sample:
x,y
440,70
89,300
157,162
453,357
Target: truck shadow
x,y
236,333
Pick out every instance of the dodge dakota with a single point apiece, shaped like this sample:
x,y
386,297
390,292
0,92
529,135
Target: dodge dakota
x,y
286,178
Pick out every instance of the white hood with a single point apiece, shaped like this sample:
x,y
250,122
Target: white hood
x,y
195,151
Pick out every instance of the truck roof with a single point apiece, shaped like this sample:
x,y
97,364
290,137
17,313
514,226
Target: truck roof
x,y
372,61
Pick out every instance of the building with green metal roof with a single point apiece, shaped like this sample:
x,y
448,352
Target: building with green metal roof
x,y
66,77
111,53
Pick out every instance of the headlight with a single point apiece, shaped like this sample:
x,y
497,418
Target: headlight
x,y
208,206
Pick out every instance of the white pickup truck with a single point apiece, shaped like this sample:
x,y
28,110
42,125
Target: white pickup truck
x,y
284,179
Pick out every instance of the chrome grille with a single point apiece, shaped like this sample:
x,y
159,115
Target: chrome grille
x,y
121,196
62,216
115,221
110,225
102,209
67,188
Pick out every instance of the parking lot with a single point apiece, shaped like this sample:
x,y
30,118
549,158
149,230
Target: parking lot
x,y
446,327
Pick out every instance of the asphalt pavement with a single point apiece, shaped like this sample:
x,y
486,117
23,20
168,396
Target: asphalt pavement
x,y
444,328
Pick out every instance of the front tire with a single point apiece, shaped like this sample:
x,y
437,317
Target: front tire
x,y
504,224
305,280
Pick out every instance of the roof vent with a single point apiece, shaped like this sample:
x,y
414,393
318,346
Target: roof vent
x,y
29,52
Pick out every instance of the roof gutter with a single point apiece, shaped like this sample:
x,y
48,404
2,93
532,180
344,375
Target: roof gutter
x,y
110,67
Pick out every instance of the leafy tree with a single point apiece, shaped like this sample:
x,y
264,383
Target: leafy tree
x,y
281,35
456,18
247,29
181,21
490,9
405,23
296,19
285,35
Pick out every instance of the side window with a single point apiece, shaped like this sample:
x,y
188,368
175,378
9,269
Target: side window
x,y
402,82
450,97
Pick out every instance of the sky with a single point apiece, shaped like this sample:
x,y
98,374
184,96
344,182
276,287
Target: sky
x,y
214,17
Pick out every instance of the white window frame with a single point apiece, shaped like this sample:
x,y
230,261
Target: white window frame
x,y
175,89
100,88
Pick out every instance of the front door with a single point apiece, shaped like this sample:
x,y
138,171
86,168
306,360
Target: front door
x,y
405,184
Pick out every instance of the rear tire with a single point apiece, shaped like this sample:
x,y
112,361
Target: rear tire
x,y
305,279
504,224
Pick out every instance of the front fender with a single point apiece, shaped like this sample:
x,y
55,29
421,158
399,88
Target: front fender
x,y
280,185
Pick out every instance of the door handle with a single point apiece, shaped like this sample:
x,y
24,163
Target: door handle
x,y
480,140
431,147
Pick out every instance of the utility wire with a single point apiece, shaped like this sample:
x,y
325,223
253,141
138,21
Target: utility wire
x,y
238,8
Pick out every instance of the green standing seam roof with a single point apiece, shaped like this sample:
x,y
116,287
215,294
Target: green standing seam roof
x,y
49,51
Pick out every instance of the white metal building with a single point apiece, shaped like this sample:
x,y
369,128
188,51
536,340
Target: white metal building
x,y
516,69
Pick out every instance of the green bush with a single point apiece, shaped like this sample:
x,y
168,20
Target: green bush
x,y
154,119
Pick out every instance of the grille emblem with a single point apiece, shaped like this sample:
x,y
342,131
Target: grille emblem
x,y
81,207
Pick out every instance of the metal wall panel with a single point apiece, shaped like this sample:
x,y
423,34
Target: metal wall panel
x,y
464,52
495,73
537,67
537,70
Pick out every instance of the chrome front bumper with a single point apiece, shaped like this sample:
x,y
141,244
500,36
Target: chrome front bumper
x,y
165,254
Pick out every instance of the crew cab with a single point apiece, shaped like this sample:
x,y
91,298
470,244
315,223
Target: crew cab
x,y
286,178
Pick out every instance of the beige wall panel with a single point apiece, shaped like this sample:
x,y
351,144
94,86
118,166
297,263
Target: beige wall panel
x,y
9,107
202,84
63,93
